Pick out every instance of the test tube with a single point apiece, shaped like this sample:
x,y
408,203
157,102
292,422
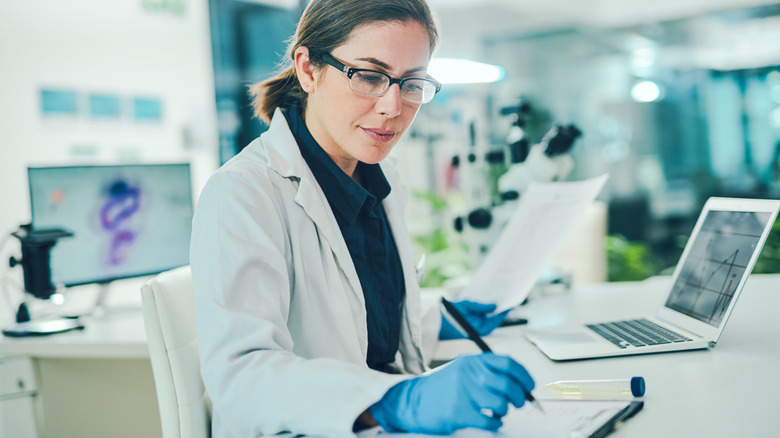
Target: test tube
x,y
599,389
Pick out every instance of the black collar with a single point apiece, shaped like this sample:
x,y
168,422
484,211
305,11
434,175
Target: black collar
x,y
344,194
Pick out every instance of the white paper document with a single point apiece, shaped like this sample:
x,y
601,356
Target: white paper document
x,y
562,418
545,215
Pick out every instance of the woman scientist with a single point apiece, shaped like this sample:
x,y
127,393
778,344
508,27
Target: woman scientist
x,y
308,309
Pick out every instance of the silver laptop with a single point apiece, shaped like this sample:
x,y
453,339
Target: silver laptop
x,y
707,281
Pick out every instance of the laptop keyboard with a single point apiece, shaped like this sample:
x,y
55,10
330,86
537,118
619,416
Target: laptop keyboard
x,y
636,332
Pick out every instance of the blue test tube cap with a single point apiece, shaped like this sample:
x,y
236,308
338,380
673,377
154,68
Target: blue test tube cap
x,y
637,386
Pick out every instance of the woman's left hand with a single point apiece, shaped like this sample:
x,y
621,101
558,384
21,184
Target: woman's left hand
x,y
479,315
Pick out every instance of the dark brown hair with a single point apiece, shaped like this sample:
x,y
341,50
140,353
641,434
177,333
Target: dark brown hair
x,y
325,25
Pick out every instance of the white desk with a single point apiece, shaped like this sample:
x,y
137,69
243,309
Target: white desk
x,y
727,391
96,382
99,382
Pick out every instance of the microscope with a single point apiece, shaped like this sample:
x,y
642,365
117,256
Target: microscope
x,y
546,161
504,183
36,265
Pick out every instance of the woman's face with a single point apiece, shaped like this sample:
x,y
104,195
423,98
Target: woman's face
x,y
352,127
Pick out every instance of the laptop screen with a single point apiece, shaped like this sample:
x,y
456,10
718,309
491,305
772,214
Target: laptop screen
x,y
718,259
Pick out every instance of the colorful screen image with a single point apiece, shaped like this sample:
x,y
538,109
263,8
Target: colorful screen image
x,y
127,220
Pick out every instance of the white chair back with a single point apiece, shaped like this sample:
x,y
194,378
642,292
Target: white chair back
x,y
169,316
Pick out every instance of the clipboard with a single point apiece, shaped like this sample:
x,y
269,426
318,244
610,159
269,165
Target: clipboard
x,y
562,419
618,419
568,418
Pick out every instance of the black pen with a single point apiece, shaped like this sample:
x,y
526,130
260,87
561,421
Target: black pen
x,y
471,332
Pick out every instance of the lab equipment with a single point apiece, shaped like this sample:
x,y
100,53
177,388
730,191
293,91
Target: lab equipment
x,y
479,315
128,220
599,389
461,322
493,186
36,258
36,255
43,327
123,221
455,396
546,161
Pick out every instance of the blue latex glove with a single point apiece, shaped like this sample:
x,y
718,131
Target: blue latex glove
x,y
455,396
477,315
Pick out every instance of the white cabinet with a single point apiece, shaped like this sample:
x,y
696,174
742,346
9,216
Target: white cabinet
x,y
17,396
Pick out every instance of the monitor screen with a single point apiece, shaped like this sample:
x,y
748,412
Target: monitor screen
x,y
127,220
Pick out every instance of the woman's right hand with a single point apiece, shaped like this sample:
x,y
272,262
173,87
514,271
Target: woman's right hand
x,y
470,391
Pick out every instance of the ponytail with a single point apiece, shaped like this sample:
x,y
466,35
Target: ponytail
x,y
281,91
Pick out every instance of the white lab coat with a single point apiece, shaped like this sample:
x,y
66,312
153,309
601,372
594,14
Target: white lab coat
x,y
281,314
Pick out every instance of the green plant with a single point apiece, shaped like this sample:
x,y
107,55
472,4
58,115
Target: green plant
x,y
444,258
629,261
446,255
769,260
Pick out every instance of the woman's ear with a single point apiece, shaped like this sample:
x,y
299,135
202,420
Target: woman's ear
x,y
304,69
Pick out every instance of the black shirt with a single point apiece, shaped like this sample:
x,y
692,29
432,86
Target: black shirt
x,y
364,226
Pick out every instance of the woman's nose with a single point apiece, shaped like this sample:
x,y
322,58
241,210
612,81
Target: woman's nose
x,y
389,104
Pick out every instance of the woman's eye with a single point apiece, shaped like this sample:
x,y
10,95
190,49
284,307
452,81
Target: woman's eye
x,y
413,86
372,79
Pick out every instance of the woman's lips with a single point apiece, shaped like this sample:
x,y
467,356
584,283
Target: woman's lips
x,y
382,135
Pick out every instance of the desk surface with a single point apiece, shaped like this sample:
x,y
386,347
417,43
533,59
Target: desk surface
x,y
116,332
727,391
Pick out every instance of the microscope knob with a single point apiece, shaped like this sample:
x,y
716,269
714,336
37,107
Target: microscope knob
x,y
458,224
480,218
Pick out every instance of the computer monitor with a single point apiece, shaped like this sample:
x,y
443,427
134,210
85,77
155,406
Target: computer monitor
x,y
128,220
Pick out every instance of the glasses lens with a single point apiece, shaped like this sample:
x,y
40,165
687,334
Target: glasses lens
x,y
418,90
367,82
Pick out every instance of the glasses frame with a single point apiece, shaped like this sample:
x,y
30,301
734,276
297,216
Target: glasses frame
x,y
349,71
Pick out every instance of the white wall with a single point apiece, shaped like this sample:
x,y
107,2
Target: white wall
x,y
126,48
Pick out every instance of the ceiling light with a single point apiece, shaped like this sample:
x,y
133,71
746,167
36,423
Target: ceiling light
x,y
464,71
646,91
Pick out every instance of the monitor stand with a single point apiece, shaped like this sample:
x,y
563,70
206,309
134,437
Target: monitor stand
x,y
101,307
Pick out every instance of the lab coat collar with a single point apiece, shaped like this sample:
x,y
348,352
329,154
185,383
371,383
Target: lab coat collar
x,y
284,157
